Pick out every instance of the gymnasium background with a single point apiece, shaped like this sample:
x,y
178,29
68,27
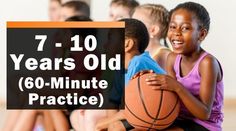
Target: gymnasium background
x,y
221,40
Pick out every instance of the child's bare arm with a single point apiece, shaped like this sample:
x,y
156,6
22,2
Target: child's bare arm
x,y
111,112
199,107
104,123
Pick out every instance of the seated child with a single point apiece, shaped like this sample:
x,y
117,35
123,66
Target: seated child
x,y
121,9
136,41
193,74
74,8
54,10
156,19
82,119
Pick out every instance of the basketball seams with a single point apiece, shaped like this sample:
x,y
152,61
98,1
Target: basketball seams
x,y
150,113
172,110
142,126
142,99
144,120
158,111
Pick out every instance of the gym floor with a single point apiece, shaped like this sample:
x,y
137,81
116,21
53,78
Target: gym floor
x,y
228,125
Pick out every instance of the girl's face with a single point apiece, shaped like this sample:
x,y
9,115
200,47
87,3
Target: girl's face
x,y
183,32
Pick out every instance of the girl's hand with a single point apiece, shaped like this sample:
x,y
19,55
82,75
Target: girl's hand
x,y
141,73
163,82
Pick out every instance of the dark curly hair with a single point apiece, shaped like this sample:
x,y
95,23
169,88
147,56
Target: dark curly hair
x,y
198,10
137,30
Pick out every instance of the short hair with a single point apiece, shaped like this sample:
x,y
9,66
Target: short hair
x,y
78,6
198,10
59,1
79,18
136,30
158,14
130,4
82,32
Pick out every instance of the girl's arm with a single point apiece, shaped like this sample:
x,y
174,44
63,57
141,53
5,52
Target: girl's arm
x,y
104,123
200,108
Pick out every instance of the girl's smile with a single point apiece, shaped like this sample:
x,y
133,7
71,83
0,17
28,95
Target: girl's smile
x,y
183,32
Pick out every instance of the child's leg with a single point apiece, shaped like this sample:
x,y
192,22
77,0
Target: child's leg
x,y
120,126
92,117
174,129
59,120
186,125
11,119
39,123
46,120
26,120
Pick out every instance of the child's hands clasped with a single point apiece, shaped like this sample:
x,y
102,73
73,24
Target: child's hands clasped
x,y
159,81
164,82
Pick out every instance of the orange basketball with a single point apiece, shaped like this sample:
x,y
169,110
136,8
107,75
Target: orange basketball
x,y
146,108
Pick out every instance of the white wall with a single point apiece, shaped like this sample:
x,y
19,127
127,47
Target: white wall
x,y
220,41
17,10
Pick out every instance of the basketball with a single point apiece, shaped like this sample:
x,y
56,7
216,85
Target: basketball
x,y
146,108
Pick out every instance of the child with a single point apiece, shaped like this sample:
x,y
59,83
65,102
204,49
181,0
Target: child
x,y
121,9
156,18
54,10
83,119
74,8
199,75
136,41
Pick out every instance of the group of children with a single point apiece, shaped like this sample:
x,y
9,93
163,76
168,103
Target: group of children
x,y
188,70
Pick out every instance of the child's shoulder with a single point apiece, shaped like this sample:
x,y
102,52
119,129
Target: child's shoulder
x,y
142,58
144,62
171,57
209,59
161,51
211,63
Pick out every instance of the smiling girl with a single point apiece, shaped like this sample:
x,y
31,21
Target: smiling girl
x,y
193,74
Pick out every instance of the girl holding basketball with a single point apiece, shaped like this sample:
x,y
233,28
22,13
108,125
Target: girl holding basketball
x,y
193,74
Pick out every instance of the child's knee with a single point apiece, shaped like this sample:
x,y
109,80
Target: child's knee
x,y
74,119
116,126
94,115
74,115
